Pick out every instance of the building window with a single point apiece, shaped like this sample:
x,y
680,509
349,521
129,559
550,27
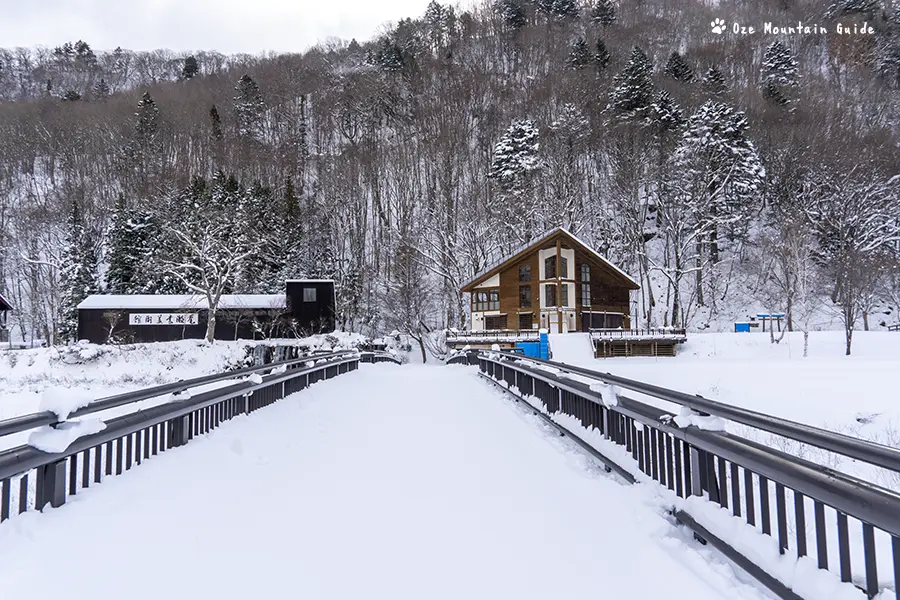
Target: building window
x,y
585,273
526,321
524,296
495,322
489,300
564,290
550,267
563,267
550,295
524,273
309,294
585,294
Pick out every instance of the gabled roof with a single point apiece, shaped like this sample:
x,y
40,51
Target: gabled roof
x,y
4,303
535,245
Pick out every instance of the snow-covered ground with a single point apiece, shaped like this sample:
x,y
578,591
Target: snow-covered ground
x,y
390,482
856,394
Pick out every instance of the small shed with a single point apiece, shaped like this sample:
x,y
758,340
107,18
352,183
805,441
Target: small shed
x,y
5,308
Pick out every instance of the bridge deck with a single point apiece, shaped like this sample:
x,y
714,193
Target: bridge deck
x,y
392,482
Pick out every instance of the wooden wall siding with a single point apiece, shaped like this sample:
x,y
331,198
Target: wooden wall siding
x,y
607,295
509,290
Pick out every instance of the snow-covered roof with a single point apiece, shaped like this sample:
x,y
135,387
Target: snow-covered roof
x,y
310,281
4,303
180,301
539,240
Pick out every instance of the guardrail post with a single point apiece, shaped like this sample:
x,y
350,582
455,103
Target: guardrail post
x,y
53,485
696,469
179,431
247,403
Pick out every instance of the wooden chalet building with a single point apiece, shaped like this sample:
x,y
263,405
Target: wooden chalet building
x,y
556,283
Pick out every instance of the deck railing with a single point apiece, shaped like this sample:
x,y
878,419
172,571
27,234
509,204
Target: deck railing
x,y
489,334
665,333
749,479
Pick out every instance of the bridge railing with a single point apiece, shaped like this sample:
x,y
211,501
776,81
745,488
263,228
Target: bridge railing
x,y
817,510
379,357
31,478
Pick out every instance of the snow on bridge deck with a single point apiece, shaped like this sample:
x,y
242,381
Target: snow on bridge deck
x,y
392,482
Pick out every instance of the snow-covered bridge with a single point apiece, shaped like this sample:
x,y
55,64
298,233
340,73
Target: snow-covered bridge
x,y
430,481
388,482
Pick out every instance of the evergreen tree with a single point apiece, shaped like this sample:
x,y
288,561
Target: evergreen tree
x,y
78,273
720,170
191,68
601,56
215,124
249,109
516,156
128,245
580,55
143,151
147,127
544,6
779,73
633,89
71,96
603,13
564,9
665,114
389,56
841,8
512,12
714,82
101,90
678,69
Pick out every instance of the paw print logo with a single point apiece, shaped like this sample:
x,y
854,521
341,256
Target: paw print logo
x,y
718,26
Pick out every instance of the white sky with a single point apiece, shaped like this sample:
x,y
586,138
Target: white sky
x,y
229,26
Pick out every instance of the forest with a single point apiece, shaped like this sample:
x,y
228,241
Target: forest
x,y
726,172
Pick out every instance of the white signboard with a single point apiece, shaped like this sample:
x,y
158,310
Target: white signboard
x,y
178,319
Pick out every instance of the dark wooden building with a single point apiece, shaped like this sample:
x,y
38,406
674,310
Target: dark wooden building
x,y
557,283
307,307
5,308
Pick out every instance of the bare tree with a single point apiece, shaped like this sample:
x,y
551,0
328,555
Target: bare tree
x,y
856,222
112,318
209,266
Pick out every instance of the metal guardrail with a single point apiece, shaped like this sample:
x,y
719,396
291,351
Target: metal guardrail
x,y
733,472
878,455
895,327
42,478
